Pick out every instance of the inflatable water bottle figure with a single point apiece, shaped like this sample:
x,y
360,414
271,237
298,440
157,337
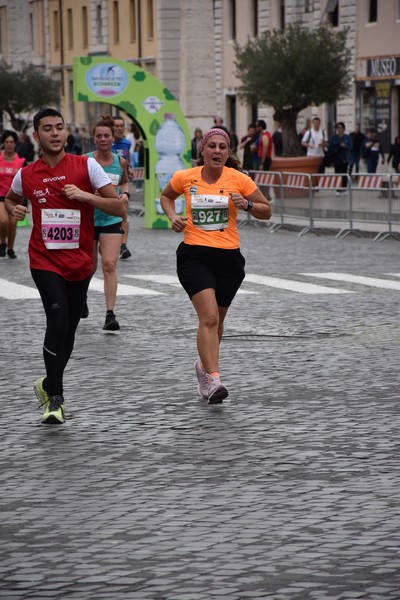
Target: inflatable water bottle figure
x,y
170,143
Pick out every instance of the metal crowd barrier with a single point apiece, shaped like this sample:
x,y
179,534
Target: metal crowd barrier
x,y
270,185
337,201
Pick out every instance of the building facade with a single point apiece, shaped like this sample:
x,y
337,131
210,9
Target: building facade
x,y
190,46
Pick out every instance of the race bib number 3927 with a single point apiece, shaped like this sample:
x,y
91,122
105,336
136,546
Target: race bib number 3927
x,y
61,228
209,212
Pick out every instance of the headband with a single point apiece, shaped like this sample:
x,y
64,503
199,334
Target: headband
x,y
210,133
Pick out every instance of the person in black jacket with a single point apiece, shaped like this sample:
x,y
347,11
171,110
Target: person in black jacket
x,y
357,139
395,154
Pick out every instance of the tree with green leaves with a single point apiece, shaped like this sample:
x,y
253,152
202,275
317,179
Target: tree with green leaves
x,y
24,91
291,70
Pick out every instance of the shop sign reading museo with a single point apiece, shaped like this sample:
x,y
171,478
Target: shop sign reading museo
x,y
385,67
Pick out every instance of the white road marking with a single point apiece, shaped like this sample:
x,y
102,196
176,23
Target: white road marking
x,y
163,279
348,278
97,285
293,286
170,280
16,291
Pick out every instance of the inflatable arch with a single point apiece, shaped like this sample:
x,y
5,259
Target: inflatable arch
x,y
153,109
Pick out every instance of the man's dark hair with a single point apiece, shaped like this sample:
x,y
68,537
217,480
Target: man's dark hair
x,y
261,123
45,112
8,133
341,124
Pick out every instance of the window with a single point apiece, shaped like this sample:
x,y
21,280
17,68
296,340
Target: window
x,y
150,19
254,18
281,14
132,20
70,29
99,24
373,11
332,11
232,19
3,32
56,30
85,28
31,34
116,22
36,19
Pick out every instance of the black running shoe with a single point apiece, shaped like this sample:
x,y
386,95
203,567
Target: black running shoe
x,y
111,324
3,248
124,252
11,253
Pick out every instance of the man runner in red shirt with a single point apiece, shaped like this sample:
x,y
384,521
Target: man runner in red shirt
x,y
63,190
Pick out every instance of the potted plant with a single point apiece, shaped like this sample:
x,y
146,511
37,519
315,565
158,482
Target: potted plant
x,y
291,70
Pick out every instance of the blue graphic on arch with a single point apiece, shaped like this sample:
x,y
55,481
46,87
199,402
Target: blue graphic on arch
x,y
107,80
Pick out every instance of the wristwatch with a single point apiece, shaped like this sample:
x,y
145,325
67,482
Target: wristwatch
x,y
249,206
127,194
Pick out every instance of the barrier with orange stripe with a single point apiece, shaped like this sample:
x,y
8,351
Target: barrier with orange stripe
x,y
264,178
329,182
370,182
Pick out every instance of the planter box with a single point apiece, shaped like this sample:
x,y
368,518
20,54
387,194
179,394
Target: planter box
x,y
298,164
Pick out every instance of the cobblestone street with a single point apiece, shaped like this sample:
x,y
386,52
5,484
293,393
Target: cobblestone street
x,y
288,491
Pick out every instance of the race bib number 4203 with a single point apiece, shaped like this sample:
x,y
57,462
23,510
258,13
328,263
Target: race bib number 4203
x,y
209,212
61,228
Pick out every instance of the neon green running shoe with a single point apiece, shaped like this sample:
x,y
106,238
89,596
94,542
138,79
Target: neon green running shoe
x,y
40,393
54,411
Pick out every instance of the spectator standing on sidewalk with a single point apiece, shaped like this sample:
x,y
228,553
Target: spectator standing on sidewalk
x,y
315,142
278,141
357,140
61,188
340,153
10,163
197,137
394,154
25,148
210,265
300,135
371,150
265,145
107,228
121,146
245,145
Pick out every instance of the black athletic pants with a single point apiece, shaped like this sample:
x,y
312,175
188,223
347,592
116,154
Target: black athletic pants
x,y
63,302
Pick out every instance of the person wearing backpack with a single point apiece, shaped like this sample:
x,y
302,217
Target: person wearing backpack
x,y
316,142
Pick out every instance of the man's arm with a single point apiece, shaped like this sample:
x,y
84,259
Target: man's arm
x,y
14,206
106,199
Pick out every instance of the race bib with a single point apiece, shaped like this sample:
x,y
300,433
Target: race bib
x,y
209,212
61,228
114,178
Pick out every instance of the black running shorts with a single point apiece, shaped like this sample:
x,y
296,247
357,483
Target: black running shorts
x,y
202,267
114,228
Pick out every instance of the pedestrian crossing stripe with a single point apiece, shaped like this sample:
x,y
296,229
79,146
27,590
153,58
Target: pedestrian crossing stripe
x,y
294,286
170,280
97,285
385,284
15,291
